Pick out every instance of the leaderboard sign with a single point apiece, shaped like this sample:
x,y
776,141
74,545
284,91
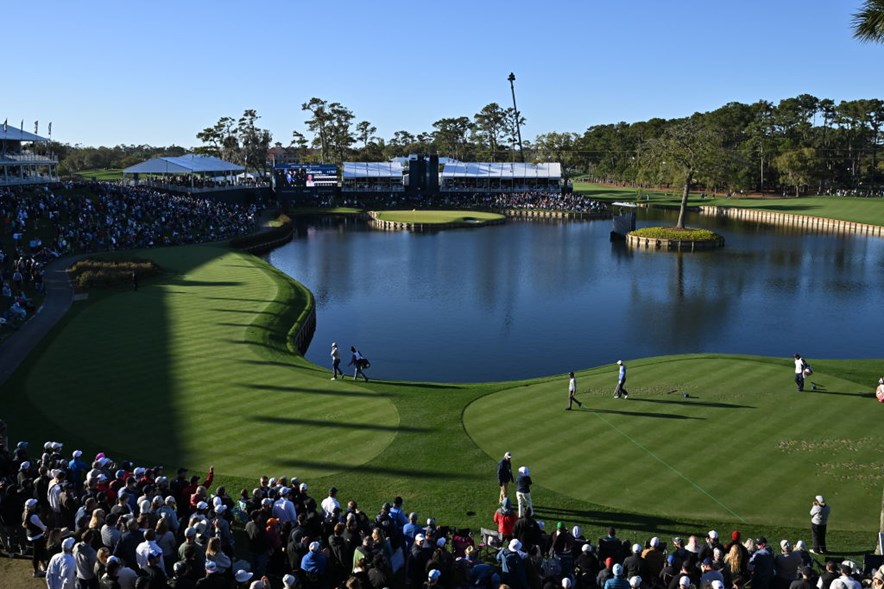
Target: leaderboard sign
x,y
304,177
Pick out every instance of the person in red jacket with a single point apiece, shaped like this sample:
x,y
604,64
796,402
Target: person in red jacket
x,y
505,518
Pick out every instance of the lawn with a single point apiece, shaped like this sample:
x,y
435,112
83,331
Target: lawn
x,y
101,174
844,208
438,217
195,369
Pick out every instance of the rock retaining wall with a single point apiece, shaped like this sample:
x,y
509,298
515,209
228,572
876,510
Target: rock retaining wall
x,y
681,245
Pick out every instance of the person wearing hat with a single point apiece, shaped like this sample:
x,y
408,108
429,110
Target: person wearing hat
x,y
879,392
618,580
504,474
634,564
433,577
786,565
62,570
523,490
586,566
35,531
621,391
505,518
314,565
762,565
213,579
712,542
242,578
709,573
819,519
562,547
512,565
635,582
336,362
77,469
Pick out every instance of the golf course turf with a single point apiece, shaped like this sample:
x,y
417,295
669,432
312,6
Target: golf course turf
x,y
194,369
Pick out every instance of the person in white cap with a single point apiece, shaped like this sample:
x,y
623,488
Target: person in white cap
x,y
523,490
35,531
635,582
62,570
512,565
77,469
621,391
819,520
336,362
504,474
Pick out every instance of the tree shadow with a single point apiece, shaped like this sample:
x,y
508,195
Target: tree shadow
x,y
238,299
694,403
641,414
420,385
619,521
242,311
264,327
268,363
273,419
382,470
788,207
182,282
312,391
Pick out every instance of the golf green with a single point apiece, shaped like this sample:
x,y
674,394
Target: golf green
x,y
743,446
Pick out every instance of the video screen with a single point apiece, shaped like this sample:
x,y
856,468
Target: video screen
x,y
304,176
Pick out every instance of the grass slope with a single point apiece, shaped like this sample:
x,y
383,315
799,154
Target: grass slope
x,y
194,369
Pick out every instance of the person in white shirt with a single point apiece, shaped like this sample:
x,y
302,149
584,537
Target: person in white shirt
x,y
62,570
329,503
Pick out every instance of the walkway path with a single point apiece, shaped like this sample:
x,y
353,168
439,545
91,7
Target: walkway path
x,y
59,296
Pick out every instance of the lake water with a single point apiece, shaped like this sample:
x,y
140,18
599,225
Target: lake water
x,y
533,298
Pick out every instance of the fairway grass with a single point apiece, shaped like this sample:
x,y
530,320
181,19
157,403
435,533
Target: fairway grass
x,y
195,369
438,217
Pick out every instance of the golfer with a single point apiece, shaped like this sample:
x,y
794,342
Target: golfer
x,y
336,362
572,390
621,382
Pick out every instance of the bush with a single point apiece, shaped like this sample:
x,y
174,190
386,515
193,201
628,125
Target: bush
x,y
96,273
676,234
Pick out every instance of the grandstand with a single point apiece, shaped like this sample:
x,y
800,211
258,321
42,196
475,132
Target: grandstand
x,y
501,177
21,163
373,177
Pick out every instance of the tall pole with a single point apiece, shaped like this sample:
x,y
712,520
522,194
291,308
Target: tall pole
x,y
512,79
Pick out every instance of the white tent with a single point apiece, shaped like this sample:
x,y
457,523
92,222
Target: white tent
x,y
190,163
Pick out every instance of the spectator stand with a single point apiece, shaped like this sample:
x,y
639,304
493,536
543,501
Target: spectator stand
x,y
190,174
20,165
508,177
373,177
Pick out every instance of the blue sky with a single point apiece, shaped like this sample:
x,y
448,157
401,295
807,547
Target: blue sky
x,y
158,72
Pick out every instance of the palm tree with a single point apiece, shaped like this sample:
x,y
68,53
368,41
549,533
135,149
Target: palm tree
x,y
868,23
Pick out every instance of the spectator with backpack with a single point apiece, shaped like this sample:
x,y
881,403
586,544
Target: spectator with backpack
x,y
360,363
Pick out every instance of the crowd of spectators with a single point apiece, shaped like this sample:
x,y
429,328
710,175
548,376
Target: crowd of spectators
x,y
489,201
108,523
38,224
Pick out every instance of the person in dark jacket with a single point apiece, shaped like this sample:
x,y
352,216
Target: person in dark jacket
x,y
504,474
523,490
762,565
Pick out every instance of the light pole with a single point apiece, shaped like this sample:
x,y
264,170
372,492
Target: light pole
x,y
512,79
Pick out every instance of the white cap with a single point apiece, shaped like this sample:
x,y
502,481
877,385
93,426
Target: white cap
x,y
566,583
620,362
68,544
655,541
636,548
315,546
785,545
685,581
713,534
211,567
635,581
221,508
507,455
716,584
820,499
434,575
419,538
77,453
515,545
524,470
289,581
202,505
31,503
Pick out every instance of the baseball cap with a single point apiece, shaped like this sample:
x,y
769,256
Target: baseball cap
x,y
434,575
211,567
636,548
716,584
507,455
713,534
440,542
515,545
289,581
635,581
685,581
617,570
620,362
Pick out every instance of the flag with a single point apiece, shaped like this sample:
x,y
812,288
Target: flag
x,y
6,125
21,129
36,126
50,128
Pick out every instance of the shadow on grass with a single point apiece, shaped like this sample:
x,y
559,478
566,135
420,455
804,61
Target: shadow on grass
x,y
268,363
840,393
788,208
383,470
422,385
695,403
238,299
294,389
620,521
641,414
181,282
338,425
264,327
243,311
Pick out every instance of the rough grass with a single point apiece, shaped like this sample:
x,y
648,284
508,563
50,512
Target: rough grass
x,y
194,370
438,217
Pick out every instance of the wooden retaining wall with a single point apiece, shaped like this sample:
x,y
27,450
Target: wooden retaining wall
x,y
301,339
384,225
821,224
563,215
681,245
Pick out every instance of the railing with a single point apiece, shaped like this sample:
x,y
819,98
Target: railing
x,y
16,181
29,158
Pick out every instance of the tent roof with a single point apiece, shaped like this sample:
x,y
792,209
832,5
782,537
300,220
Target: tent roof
x,y
16,134
190,163
501,170
372,170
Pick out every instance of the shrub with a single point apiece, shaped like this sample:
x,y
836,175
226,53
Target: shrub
x,y
676,234
91,273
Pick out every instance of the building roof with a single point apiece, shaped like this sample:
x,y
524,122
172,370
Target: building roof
x,y
16,134
190,163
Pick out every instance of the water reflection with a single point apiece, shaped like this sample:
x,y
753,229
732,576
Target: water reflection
x,y
528,299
